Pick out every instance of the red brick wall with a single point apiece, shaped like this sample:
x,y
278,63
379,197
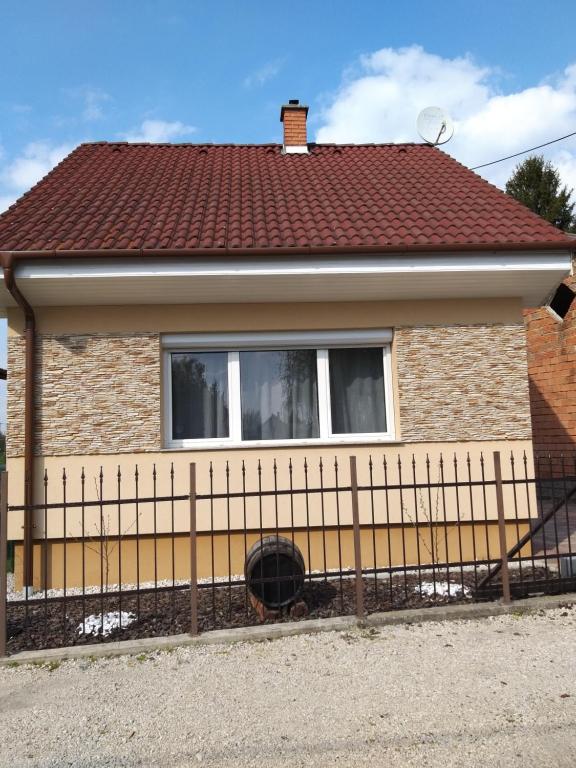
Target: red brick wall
x,y
552,376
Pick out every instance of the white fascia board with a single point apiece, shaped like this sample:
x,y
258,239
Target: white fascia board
x,y
226,267
374,337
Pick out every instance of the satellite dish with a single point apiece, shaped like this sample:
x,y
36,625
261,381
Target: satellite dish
x,y
435,126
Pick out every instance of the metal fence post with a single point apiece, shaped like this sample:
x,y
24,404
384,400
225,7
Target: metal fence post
x,y
3,558
357,545
193,555
506,598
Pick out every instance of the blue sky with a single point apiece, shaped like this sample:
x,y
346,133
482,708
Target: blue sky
x,y
76,71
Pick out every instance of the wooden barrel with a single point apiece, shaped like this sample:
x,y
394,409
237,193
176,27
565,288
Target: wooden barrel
x,y
274,571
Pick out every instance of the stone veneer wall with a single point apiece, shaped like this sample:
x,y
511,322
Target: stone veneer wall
x,y
100,393
463,382
96,393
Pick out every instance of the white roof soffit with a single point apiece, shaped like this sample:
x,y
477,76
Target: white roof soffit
x,y
60,282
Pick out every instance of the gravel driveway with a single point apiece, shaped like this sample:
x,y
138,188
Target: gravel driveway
x,y
498,691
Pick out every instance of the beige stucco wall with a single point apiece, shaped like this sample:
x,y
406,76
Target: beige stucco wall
x,y
459,368
219,471
172,318
222,556
416,524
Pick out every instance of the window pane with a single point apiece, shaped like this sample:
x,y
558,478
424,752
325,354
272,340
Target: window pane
x,y
357,390
199,395
279,392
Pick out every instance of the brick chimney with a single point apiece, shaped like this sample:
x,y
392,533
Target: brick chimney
x,y
293,115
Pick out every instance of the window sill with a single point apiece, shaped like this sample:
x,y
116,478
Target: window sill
x,y
266,444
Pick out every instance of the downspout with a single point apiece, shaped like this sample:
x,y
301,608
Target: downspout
x,y
29,385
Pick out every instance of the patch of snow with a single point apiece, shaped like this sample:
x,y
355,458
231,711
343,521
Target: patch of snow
x,y
105,624
106,588
442,589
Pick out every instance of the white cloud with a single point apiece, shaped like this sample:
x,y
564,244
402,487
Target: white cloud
x,y
565,161
158,131
94,100
261,76
21,173
91,101
380,99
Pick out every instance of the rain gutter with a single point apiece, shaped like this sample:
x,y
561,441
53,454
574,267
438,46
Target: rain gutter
x,y
7,262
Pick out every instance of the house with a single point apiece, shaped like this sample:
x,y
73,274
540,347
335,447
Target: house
x,y
211,303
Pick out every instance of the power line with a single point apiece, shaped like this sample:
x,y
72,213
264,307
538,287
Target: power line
x,y
524,151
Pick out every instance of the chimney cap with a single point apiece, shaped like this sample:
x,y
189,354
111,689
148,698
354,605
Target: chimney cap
x,y
292,104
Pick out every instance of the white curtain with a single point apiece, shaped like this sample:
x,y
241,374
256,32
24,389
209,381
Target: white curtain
x,y
357,390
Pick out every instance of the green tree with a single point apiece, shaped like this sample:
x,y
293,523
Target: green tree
x,y
536,183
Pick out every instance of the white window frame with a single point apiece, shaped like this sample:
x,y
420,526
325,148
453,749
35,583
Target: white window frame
x,y
234,343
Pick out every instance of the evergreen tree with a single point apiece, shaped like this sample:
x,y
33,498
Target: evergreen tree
x,y
536,183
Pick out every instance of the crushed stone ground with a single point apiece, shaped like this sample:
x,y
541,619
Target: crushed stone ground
x,y
499,691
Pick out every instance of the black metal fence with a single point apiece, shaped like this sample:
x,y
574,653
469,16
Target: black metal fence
x,y
158,552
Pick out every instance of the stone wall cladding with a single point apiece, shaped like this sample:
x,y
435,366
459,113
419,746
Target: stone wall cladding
x,y
96,393
100,393
463,382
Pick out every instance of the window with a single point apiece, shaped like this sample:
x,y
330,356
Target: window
x,y
199,395
561,302
279,394
357,399
275,388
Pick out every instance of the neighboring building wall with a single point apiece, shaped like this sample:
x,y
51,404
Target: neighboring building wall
x,y
552,377
99,393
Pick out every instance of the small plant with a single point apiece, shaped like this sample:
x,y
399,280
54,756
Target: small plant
x,y
104,543
50,666
438,535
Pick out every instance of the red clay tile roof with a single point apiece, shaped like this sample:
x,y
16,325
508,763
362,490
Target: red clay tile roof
x,y
182,196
